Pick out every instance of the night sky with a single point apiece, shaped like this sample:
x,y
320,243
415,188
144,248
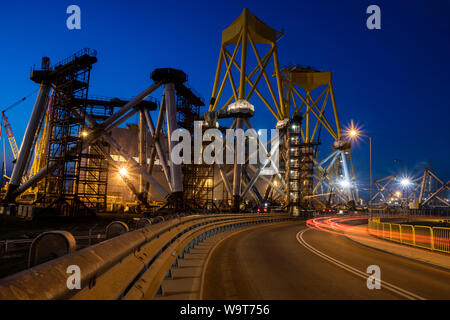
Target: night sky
x,y
393,82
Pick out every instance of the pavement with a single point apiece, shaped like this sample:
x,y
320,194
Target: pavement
x,y
291,261
184,279
359,234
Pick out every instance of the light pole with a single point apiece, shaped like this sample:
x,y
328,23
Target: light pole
x,y
406,182
354,133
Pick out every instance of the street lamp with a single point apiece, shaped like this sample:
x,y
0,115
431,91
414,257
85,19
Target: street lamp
x,y
405,183
354,133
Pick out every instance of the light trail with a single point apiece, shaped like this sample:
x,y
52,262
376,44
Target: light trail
x,y
338,226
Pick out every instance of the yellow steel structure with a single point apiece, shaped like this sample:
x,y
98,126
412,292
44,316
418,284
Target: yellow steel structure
x,y
290,96
307,79
299,83
248,30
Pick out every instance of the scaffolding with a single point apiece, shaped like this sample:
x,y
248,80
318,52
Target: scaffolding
x,y
198,179
78,183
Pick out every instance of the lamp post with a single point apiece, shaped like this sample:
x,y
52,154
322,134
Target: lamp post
x,y
354,133
405,183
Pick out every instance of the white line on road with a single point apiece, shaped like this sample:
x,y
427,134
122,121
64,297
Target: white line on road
x,y
386,285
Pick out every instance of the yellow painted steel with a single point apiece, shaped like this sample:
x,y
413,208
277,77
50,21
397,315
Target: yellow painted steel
x,y
440,237
225,77
217,78
322,119
431,238
248,29
277,116
321,113
244,28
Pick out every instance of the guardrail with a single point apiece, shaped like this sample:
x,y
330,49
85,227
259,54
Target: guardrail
x,y
431,238
129,266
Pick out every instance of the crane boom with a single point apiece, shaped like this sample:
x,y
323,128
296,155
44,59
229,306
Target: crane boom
x,y
8,129
10,135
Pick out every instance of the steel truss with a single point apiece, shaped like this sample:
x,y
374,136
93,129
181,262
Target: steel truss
x,y
303,182
426,191
432,191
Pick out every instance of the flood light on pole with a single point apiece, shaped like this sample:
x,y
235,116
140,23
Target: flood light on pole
x,y
405,182
344,184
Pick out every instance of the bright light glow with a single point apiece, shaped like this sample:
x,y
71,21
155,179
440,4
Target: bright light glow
x,y
405,182
123,171
344,183
353,132
398,194
84,133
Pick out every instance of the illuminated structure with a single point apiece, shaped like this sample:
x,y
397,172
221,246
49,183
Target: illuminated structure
x,y
304,181
426,191
77,147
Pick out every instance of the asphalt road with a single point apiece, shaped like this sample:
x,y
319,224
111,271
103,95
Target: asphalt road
x,y
290,261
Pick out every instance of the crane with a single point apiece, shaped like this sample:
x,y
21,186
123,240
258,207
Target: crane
x,y
10,135
7,126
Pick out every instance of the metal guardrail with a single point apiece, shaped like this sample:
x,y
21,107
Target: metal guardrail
x,y
431,238
122,266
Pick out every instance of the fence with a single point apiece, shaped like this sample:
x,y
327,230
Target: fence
x,y
431,238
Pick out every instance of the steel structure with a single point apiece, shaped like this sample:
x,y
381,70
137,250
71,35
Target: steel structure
x,y
426,191
303,181
330,181
244,31
76,137
387,191
74,174
432,190
198,178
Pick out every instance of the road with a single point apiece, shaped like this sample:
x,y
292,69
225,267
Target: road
x,y
290,261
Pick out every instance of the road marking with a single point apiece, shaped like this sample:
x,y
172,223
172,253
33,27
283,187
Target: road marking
x,y
402,292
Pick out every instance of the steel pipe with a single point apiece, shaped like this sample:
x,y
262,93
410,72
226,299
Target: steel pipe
x,y
27,143
171,119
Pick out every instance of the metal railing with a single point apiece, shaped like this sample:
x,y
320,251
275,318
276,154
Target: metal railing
x,y
431,238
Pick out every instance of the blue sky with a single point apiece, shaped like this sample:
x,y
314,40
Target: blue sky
x,y
394,81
